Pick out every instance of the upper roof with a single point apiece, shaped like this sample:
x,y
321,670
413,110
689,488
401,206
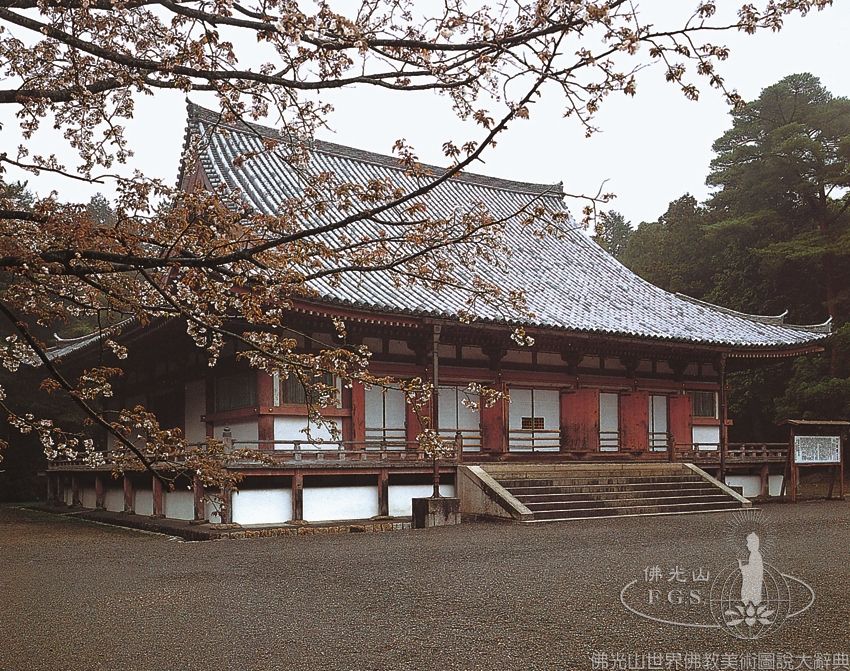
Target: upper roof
x,y
571,283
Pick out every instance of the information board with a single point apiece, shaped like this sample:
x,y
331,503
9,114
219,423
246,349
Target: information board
x,y
817,449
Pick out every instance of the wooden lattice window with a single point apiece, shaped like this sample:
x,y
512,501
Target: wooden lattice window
x,y
532,423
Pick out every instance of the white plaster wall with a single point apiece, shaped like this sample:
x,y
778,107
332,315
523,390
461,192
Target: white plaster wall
x,y
658,420
750,483
211,513
69,495
262,506
179,505
114,499
472,354
289,429
399,347
401,497
144,502
549,359
518,356
774,484
89,497
609,420
385,408
196,406
340,503
520,406
242,432
707,436
543,403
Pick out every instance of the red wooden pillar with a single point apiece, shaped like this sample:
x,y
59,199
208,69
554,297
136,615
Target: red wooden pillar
x,y
384,492
634,421
680,421
412,424
129,495
99,492
158,499
198,499
298,497
265,401
76,499
580,420
494,435
357,421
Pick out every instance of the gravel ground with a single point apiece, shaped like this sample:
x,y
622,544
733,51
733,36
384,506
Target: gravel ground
x,y
76,595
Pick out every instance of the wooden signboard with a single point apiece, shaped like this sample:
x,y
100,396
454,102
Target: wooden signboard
x,y
815,444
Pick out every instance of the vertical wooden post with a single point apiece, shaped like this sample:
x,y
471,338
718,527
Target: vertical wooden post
x,y
298,497
198,499
99,492
129,495
435,378
764,489
52,497
158,498
412,426
76,499
358,416
226,514
493,425
634,421
265,401
384,492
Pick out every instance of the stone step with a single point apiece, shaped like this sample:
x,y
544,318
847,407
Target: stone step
x,y
604,481
573,513
548,497
591,489
596,473
624,503
619,516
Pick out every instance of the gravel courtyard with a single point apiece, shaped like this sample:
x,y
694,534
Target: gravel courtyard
x,y
77,595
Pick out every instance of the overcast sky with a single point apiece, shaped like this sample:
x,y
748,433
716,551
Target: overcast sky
x,y
652,148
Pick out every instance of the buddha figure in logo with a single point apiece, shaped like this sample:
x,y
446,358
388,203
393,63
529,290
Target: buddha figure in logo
x,y
752,573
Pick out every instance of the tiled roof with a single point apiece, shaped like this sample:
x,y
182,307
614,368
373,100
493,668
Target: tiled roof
x,y
571,283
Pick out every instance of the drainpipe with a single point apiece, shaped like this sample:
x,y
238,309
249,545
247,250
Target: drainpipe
x,y
724,414
435,401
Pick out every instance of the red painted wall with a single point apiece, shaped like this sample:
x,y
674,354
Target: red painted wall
x,y
580,420
634,421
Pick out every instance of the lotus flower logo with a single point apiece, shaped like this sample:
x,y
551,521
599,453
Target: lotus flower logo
x,y
750,615
750,600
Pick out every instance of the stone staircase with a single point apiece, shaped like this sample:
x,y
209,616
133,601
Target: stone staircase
x,y
552,492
